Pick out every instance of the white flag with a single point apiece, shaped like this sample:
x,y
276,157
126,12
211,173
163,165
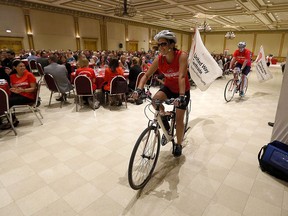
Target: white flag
x,y
263,73
202,67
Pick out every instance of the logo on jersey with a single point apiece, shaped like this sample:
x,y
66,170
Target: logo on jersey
x,y
170,73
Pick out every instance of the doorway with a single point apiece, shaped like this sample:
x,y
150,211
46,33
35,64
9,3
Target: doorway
x,y
132,46
13,43
90,43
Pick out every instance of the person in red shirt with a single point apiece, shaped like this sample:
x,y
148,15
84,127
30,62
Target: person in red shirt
x,y
23,86
113,70
242,58
173,64
84,69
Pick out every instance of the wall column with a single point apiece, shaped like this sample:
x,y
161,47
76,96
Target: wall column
x,y
126,36
29,31
281,44
254,43
103,34
77,33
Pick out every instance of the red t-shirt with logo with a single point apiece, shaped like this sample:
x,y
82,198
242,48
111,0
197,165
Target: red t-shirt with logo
x,y
23,82
171,72
242,56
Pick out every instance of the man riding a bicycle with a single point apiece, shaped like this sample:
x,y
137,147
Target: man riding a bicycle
x,y
242,58
173,64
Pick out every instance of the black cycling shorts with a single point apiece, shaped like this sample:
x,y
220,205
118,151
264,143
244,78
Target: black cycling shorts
x,y
171,94
246,70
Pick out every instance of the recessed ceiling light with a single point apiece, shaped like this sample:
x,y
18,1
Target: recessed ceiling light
x,y
8,31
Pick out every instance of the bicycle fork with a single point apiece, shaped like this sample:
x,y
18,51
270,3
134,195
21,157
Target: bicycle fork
x,y
148,153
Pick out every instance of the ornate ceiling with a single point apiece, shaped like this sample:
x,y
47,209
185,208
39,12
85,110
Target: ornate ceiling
x,y
221,15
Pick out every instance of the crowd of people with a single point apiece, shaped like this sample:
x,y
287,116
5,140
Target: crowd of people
x,y
61,64
168,59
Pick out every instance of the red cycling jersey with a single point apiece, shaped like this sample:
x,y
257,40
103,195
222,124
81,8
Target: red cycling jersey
x,y
242,56
171,72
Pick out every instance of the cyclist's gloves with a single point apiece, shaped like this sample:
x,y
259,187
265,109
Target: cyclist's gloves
x,y
180,101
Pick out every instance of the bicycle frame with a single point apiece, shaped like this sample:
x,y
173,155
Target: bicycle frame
x,y
146,150
157,121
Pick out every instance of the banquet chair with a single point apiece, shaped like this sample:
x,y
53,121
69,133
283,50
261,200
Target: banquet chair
x,y
83,87
40,70
118,88
52,86
4,109
140,75
33,66
33,107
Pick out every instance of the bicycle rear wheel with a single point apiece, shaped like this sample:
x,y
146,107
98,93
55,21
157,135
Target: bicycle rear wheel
x,y
144,158
229,90
245,85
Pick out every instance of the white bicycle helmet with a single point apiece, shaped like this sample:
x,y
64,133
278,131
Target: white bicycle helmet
x,y
241,44
166,34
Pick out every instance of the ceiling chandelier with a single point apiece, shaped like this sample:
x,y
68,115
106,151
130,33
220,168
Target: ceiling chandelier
x,y
125,10
230,35
205,27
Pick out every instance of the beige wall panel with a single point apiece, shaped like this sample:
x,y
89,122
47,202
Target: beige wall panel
x,y
270,42
214,43
178,44
285,46
140,34
16,25
185,43
89,28
52,31
231,45
115,36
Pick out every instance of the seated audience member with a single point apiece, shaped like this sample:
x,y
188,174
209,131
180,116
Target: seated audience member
x,y
86,70
43,59
60,74
70,57
111,71
135,70
8,61
145,64
4,73
23,87
32,56
63,61
123,63
102,61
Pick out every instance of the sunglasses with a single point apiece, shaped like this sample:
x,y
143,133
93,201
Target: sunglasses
x,y
163,44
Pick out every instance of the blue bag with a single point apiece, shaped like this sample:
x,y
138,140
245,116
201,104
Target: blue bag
x,y
273,159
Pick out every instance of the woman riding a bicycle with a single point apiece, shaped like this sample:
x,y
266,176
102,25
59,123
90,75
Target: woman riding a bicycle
x,y
173,64
242,58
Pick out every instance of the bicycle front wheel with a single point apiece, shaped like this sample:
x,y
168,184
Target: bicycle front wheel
x,y
229,90
144,158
